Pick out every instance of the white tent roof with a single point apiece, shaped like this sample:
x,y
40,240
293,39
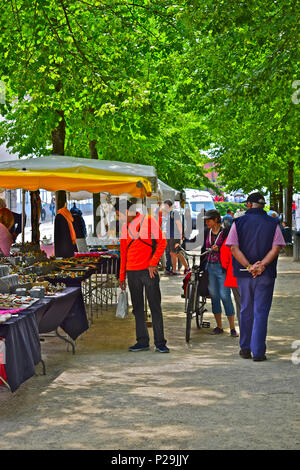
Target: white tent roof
x,y
60,162
81,166
168,192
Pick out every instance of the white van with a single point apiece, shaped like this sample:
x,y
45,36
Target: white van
x,y
197,200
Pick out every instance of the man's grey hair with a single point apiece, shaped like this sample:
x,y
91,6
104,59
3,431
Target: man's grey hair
x,y
255,205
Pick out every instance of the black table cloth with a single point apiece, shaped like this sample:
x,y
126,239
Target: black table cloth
x,y
21,334
66,310
23,349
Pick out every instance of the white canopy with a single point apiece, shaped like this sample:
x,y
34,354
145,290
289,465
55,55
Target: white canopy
x,y
168,192
61,162
55,169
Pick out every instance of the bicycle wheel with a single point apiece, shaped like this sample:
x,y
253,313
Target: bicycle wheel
x,y
200,312
189,312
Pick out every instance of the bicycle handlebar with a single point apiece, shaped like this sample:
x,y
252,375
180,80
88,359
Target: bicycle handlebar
x,y
179,248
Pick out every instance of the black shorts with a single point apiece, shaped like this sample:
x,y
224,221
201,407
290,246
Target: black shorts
x,y
171,244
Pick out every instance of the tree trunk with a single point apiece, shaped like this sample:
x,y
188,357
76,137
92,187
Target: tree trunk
x,y
280,197
58,148
58,145
59,136
276,198
273,197
35,202
60,199
96,196
290,189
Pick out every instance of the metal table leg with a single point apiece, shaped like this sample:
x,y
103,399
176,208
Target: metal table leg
x,y
66,340
5,383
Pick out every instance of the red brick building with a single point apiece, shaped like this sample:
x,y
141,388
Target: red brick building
x,y
212,175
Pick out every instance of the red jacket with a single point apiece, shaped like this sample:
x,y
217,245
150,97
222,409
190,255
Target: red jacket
x,y
139,254
226,261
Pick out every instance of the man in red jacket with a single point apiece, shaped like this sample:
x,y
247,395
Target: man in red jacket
x,y
142,245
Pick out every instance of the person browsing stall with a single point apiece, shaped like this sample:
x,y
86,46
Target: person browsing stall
x,y
6,223
64,234
141,247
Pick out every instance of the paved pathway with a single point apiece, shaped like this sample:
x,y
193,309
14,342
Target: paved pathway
x,y
202,397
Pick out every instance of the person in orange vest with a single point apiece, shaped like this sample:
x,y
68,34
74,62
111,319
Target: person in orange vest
x,y
141,247
64,234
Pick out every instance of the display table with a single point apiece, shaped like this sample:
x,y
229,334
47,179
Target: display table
x,y
21,334
22,344
65,310
70,281
99,284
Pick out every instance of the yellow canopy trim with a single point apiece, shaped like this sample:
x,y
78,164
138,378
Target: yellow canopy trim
x,y
80,181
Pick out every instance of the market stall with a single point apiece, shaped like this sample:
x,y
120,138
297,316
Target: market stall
x,y
91,281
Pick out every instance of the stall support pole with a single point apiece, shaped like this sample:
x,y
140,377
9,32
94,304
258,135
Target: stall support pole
x,y
23,215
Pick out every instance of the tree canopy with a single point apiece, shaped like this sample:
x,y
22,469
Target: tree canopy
x,y
158,83
107,70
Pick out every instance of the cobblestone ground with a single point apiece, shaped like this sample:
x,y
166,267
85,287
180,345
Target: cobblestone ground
x,y
199,397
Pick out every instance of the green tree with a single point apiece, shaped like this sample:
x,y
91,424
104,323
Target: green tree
x,y
101,72
244,58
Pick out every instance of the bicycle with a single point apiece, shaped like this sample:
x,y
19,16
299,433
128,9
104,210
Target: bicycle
x,y
194,302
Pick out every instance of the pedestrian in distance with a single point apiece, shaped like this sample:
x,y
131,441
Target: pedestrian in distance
x,y
52,207
227,219
174,235
43,211
141,246
239,213
214,239
272,212
255,241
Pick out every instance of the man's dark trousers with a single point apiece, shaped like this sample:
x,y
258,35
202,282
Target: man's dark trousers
x,y
137,280
256,299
